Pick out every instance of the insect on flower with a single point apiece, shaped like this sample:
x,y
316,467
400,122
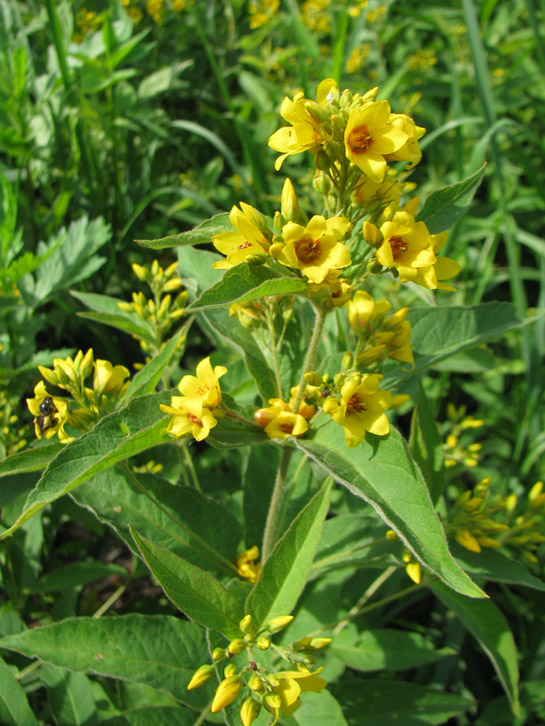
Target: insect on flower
x,y
46,418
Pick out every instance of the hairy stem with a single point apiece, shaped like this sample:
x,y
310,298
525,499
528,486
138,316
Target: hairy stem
x,y
269,536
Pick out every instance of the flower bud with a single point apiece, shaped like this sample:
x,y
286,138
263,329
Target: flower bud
x,y
347,361
236,646
321,183
255,683
272,701
200,677
226,693
279,623
371,234
230,670
289,202
246,625
249,711
313,379
256,259
263,643
391,535
218,654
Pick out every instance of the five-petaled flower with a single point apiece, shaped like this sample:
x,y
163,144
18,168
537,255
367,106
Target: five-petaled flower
x,y
315,249
289,685
50,414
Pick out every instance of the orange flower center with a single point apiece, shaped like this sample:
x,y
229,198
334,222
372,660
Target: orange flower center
x,y
245,245
359,139
398,245
356,404
194,419
287,428
308,250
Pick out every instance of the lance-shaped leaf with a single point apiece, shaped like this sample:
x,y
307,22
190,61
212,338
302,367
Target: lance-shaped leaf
x,y
382,471
445,206
373,702
178,518
245,283
117,436
107,311
285,572
14,708
199,236
490,564
199,595
426,445
30,460
438,333
385,648
158,650
483,619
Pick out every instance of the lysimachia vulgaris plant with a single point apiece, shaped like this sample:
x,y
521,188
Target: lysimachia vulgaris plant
x,y
315,506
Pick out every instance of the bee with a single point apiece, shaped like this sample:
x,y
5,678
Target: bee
x,y
46,418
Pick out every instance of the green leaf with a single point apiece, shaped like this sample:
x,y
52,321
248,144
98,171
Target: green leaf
x,y
158,650
352,540
258,483
285,572
76,574
445,206
382,471
160,716
196,593
199,236
121,434
108,312
245,283
381,648
496,566
14,708
70,696
146,380
33,459
175,517
426,445
234,434
319,708
483,619
372,702
439,332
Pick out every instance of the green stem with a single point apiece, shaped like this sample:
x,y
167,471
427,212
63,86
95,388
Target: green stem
x,y
110,601
269,536
188,461
367,595
274,351
215,556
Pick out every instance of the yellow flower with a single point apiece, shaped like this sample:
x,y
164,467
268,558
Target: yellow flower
x,y
370,136
304,134
201,676
360,408
247,240
205,386
285,424
314,249
333,291
109,378
246,564
408,246
190,416
290,685
226,693
410,151
50,414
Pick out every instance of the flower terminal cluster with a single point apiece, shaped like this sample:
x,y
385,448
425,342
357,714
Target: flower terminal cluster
x,y
277,691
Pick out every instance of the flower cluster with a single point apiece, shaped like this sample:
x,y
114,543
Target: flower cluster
x,y
277,691
196,410
527,522
161,311
246,564
51,413
280,420
471,520
457,450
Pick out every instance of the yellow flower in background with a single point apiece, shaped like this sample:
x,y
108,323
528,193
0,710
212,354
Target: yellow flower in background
x,y
249,238
204,387
246,564
50,414
472,524
369,136
360,408
314,249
